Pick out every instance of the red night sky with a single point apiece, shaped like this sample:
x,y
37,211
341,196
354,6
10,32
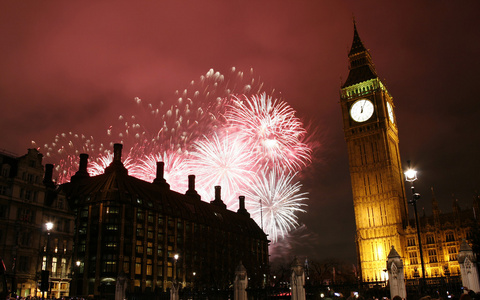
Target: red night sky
x,y
76,65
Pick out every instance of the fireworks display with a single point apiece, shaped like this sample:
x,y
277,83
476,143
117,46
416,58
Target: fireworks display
x,y
225,129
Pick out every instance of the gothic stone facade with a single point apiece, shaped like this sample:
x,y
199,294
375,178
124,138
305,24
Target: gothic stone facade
x,y
27,202
380,203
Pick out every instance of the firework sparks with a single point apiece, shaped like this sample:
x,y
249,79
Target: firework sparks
x,y
273,130
175,169
223,161
280,199
225,129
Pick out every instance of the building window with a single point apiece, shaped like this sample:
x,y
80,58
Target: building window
x,y
160,268
126,264
169,270
30,178
60,203
432,255
149,267
44,263
25,215
112,210
28,195
111,245
138,266
140,215
113,227
54,265
413,258
3,190
430,239
452,253
25,238
23,264
411,242
64,267
469,235
5,170
3,211
150,232
150,218
109,266
139,247
449,237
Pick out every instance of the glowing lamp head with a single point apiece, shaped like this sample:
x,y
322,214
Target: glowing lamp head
x,y
410,175
77,263
49,226
175,256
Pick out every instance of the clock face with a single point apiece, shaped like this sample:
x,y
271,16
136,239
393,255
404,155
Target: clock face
x,y
361,110
390,112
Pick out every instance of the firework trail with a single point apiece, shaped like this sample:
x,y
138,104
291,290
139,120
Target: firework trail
x,y
225,129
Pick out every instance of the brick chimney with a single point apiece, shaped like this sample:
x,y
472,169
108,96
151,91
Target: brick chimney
x,y
218,200
82,169
241,206
191,188
160,180
117,165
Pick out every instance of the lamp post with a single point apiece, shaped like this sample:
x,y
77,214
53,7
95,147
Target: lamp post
x,y
77,277
411,176
45,273
175,258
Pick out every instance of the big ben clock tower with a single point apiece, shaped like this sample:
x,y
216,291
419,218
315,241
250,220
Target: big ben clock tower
x,y
378,189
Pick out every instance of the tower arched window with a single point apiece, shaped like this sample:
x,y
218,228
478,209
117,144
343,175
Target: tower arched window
x,y
449,236
430,239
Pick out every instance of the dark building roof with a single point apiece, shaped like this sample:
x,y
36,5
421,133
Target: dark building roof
x,y
116,186
446,220
360,62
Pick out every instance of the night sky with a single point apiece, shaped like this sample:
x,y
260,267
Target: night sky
x,y
75,66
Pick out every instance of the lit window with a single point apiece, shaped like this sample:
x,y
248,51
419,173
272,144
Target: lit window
x,y
54,265
138,266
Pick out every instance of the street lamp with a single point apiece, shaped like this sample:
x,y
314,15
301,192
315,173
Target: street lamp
x,y
45,273
75,288
175,257
411,176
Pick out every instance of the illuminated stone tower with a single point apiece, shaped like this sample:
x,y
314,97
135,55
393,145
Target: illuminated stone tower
x,y
371,134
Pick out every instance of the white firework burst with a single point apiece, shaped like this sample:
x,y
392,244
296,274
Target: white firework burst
x,y
274,201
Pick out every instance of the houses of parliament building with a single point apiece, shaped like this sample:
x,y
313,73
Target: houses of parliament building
x,y
378,188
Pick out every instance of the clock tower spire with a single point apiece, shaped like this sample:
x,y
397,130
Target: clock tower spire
x,y
378,189
360,62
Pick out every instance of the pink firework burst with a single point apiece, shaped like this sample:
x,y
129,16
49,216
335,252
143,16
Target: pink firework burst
x,y
273,130
222,128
